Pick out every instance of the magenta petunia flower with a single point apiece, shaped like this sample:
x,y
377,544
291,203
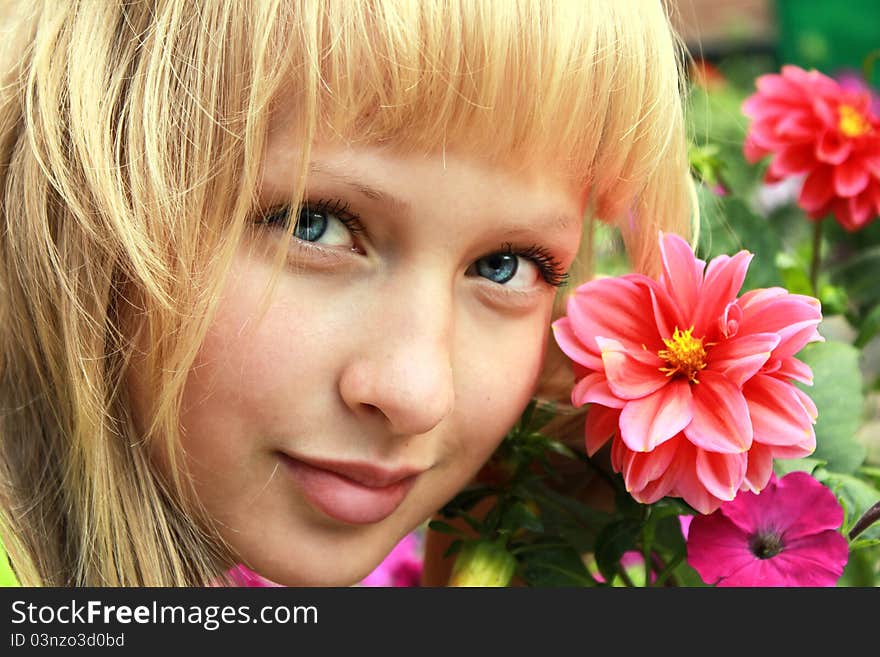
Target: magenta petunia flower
x,y
243,576
692,384
402,567
785,536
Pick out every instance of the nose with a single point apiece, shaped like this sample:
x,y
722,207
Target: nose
x,y
402,371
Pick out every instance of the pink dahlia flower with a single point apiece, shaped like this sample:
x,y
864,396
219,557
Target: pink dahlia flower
x,y
786,536
692,384
815,128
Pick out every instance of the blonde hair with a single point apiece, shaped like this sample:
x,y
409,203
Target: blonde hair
x,y
131,138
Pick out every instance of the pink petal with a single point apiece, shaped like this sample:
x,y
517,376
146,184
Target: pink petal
x,y
741,358
792,368
774,310
612,308
797,127
758,572
572,347
817,189
795,337
793,160
632,373
648,422
716,547
832,149
665,314
789,572
600,425
809,506
728,323
822,556
850,178
776,85
721,474
778,416
687,482
753,152
760,468
721,418
724,278
641,468
795,505
807,403
860,209
593,389
664,484
826,110
682,274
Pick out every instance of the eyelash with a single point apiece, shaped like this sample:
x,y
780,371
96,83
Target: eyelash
x,y
551,269
337,208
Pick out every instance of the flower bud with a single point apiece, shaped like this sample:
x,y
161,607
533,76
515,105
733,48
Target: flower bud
x,y
483,563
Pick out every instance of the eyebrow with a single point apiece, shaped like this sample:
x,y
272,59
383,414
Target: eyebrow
x,y
360,186
560,221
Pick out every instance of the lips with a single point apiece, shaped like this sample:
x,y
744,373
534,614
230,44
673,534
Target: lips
x,y
354,493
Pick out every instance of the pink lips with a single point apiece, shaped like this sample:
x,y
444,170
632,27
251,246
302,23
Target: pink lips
x,y
355,493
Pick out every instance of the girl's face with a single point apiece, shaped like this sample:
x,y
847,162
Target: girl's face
x,y
405,337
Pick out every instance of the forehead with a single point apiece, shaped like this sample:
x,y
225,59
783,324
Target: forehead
x,y
354,161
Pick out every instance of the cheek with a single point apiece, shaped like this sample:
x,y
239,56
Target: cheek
x,y
496,377
252,387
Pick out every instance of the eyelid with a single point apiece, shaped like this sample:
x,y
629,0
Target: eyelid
x,y
511,299
551,268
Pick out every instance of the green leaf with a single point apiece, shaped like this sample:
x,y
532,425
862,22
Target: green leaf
x,y
687,576
442,527
728,225
520,516
837,393
453,548
466,500
808,464
7,576
615,539
856,495
556,566
869,327
861,543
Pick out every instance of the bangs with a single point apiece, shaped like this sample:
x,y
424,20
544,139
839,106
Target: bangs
x,y
577,85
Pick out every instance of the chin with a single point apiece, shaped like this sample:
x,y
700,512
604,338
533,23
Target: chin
x,y
333,576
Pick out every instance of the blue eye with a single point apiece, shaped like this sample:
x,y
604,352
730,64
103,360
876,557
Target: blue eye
x,y
310,225
325,222
519,268
498,267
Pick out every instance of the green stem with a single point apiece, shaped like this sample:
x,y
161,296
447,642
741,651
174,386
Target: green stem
x,y
667,572
625,576
613,482
868,64
648,543
816,257
536,547
870,516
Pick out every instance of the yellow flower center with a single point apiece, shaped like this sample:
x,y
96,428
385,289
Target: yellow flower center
x,y
852,122
684,354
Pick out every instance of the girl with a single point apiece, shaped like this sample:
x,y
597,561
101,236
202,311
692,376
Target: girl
x,y
276,277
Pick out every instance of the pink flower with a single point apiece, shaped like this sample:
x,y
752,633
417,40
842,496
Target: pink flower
x,y
786,536
402,566
245,577
852,80
692,384
815,128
